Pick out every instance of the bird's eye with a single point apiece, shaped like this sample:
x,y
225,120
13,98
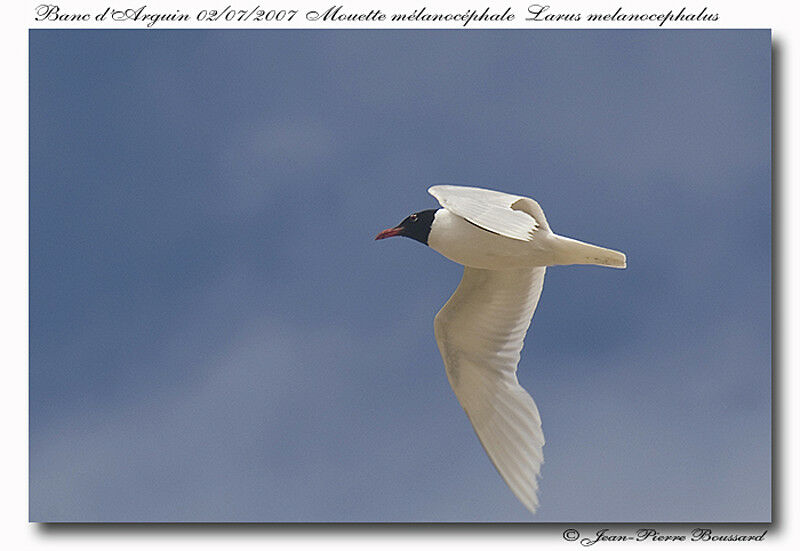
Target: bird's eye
x,y
413,217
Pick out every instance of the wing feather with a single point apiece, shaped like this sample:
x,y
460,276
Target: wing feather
x,y
480,333
508,215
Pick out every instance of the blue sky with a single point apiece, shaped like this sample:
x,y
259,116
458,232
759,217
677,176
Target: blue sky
x,y
215,336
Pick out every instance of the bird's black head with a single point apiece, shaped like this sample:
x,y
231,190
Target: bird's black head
x,y
416,226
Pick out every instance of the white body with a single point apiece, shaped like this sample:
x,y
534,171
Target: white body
x,y
465,243
497,231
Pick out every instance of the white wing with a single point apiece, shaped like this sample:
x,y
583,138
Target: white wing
x,y
501,213
480,332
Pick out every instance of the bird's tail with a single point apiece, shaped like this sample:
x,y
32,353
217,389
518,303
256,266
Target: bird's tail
x,y
572,251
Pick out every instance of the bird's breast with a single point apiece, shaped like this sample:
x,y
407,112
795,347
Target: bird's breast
x,y
467,244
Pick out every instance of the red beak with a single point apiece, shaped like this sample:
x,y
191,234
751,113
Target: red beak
x,y
391,232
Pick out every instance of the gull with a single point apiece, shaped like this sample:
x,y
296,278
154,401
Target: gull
x,y
505,245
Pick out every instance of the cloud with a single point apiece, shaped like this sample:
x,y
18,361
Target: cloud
x,y
215,335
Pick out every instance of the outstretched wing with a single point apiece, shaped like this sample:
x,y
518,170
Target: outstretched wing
x,y
480,332
501,213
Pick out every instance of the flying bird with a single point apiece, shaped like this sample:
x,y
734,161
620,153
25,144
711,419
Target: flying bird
x,y
505,245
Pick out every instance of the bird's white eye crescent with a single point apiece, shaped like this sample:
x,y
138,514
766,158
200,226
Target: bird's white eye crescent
x,y
413,217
